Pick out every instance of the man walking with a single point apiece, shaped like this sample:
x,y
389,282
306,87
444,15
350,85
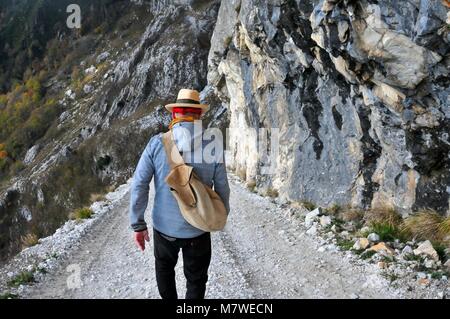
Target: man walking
x,y
171,232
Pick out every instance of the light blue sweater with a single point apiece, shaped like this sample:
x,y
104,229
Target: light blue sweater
x,y
167,217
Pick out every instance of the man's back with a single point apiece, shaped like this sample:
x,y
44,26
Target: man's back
x,y
167,217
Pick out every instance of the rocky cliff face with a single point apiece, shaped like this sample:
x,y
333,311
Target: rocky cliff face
x,y
357,91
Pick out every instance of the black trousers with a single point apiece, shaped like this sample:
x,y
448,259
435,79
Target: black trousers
x,y
196,260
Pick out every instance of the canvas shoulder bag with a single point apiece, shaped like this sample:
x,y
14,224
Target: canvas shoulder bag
x,y
200,206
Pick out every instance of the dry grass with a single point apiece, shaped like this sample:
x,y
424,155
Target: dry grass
x,y
271,192
95,197
334,209
29,240
251,185
444,227
351,215
383,215
428,224
242,174
304,204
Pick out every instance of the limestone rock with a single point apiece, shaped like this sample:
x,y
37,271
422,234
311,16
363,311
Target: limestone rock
x,y
407,250
90,70
381,265
102,57
447,265
311,217
373,238
325,221
430,263
88,89
312,231
70,94
423,281
382,248
341,84
426,249
361,243
31,154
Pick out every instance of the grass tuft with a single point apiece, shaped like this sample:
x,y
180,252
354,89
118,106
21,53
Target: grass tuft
x,y
23,278
96,197
425,225
251,185
8,295
441,251
344,244
333,209
386,231
383,215
83,213
308,205
368,254
412,257
271,192
444,228
389,276
351,215
29,240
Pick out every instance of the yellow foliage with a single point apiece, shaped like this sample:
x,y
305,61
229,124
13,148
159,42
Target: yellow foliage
x,y
444,228
29,240
50,102
3,154
33,84
88,78
3,99
34,89
102,67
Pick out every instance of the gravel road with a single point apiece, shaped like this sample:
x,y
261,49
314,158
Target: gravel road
x,y
260,254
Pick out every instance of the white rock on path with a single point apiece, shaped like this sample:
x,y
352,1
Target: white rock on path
x,y
312,231
361,243
373,237
429,263
311,217
407,250
70,94
365,229
447,265
426,249
88,88
325,221
90,70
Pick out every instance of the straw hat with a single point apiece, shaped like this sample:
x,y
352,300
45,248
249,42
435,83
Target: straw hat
x,y
188,98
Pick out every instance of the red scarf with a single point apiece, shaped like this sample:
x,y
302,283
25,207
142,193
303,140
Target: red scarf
x,y
183,110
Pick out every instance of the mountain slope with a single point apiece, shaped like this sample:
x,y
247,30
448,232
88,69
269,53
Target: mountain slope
x,y
107,102
356,94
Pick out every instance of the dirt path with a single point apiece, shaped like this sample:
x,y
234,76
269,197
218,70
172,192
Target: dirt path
x,y
260,254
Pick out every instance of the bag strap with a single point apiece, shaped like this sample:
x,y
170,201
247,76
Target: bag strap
x,y
172,153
